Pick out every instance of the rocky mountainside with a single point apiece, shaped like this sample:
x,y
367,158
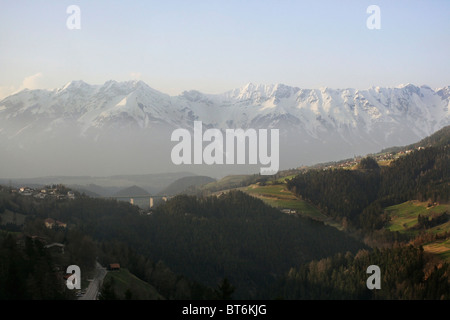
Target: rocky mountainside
x,y
125,127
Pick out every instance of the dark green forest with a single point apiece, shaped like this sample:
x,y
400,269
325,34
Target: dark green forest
x,y
21,267
234,236
357,197
27,271
238,237
405,271
236,246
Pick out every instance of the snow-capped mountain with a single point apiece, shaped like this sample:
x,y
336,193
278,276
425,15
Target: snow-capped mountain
x,y
119,122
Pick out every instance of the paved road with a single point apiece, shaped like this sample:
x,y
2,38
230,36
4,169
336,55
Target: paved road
x,y
94,285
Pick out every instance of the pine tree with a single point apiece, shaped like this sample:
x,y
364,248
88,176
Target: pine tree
x,y
225,290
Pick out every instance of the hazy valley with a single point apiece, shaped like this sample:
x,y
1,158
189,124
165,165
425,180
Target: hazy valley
x,y
124,128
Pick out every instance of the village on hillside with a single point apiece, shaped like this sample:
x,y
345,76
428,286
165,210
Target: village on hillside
x,y
57,192
382,159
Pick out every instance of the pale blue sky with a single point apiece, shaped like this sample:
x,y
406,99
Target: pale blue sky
x,y
217,45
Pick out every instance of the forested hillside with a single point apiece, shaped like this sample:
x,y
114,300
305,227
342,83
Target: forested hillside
x,y
407,273
234,236
378,204
30,270
357,197
27,271
198,247
238,237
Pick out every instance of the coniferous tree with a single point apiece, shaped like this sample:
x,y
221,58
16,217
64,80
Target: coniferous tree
x,y
225,290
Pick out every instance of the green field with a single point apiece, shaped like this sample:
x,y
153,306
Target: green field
x,y
404,220
283,179
225,183
404,216
441,248
278,196
124,280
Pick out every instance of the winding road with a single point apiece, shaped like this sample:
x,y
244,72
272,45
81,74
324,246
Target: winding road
x,y
95,284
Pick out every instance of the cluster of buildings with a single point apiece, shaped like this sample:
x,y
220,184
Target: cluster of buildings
x,y
52,223
289,211
42,193
380,158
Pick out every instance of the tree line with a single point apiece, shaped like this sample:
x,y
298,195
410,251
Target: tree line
x,y
189,245
405,274
358,197
27,271
207,239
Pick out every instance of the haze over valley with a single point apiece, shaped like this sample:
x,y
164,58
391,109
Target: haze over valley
x,y
218,150
122,128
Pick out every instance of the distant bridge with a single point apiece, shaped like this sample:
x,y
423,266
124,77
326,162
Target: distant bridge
x,y
142,201
137,196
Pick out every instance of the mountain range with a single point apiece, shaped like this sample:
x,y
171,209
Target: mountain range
x,y
125,127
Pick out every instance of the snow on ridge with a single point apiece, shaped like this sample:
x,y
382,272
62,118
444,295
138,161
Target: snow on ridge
x,y
92,105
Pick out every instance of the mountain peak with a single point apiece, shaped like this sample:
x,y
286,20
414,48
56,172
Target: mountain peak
x,y
253,91
248,87
137,83
74,84
315,123
409,86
